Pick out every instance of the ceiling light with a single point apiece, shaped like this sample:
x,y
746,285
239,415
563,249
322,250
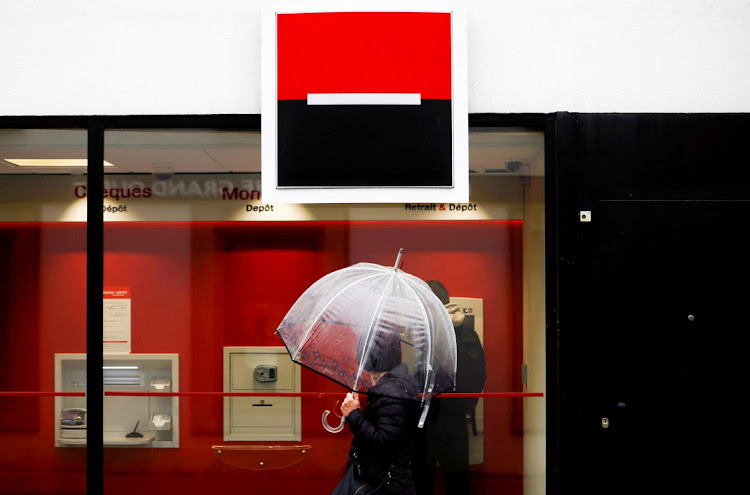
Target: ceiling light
x,y
51,162
119,367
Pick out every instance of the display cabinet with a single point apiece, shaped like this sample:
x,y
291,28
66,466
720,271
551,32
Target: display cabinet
x,y
149,417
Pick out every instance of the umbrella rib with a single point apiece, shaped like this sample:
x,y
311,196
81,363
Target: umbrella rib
x,y
368,340
429,340
309,329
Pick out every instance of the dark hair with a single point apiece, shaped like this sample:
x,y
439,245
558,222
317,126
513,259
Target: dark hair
x,y
385,352
440,291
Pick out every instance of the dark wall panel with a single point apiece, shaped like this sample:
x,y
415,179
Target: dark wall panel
x,y
652,319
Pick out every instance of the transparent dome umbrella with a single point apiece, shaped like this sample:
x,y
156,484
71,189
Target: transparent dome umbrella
x,y
342,323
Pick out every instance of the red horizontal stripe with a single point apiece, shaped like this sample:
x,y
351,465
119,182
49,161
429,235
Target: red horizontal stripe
x,y
42,394
454,395
364,52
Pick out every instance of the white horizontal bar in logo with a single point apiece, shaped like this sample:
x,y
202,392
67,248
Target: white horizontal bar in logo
x,y
364,99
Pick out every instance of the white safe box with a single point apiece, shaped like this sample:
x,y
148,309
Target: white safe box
x,y
256,370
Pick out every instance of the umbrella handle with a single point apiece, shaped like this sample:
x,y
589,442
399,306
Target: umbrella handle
x,y
330,428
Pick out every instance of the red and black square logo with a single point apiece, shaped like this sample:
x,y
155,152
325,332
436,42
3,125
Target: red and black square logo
x,y
364,99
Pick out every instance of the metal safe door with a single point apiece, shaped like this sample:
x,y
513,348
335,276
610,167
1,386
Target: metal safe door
x,y
256,370
656,367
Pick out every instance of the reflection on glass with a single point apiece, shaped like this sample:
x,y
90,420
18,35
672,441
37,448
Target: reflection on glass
x,y
197,266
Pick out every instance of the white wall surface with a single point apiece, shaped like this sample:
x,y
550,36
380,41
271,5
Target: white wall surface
x,y
142,57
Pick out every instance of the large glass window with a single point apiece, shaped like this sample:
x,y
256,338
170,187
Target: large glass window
x,y
199,391
42,309
210,271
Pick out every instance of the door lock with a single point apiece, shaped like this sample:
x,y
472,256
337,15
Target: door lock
x,y
265,373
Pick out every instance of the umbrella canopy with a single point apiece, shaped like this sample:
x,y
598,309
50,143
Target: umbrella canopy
x,y
365,319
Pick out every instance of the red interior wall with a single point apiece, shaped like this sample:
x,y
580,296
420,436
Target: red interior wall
x,y
197,287
44,282
18,364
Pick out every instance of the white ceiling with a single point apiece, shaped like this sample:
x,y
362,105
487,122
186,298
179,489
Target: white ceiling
x,y
215,152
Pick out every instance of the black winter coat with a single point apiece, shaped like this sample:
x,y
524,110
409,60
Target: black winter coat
x,y
384,432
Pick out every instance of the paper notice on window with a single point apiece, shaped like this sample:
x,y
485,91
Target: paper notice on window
x,y
116,322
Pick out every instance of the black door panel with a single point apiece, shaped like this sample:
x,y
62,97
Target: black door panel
x,y
655,297
661,346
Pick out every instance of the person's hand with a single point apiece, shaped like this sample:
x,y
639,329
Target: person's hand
x,y
456,314
350,404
